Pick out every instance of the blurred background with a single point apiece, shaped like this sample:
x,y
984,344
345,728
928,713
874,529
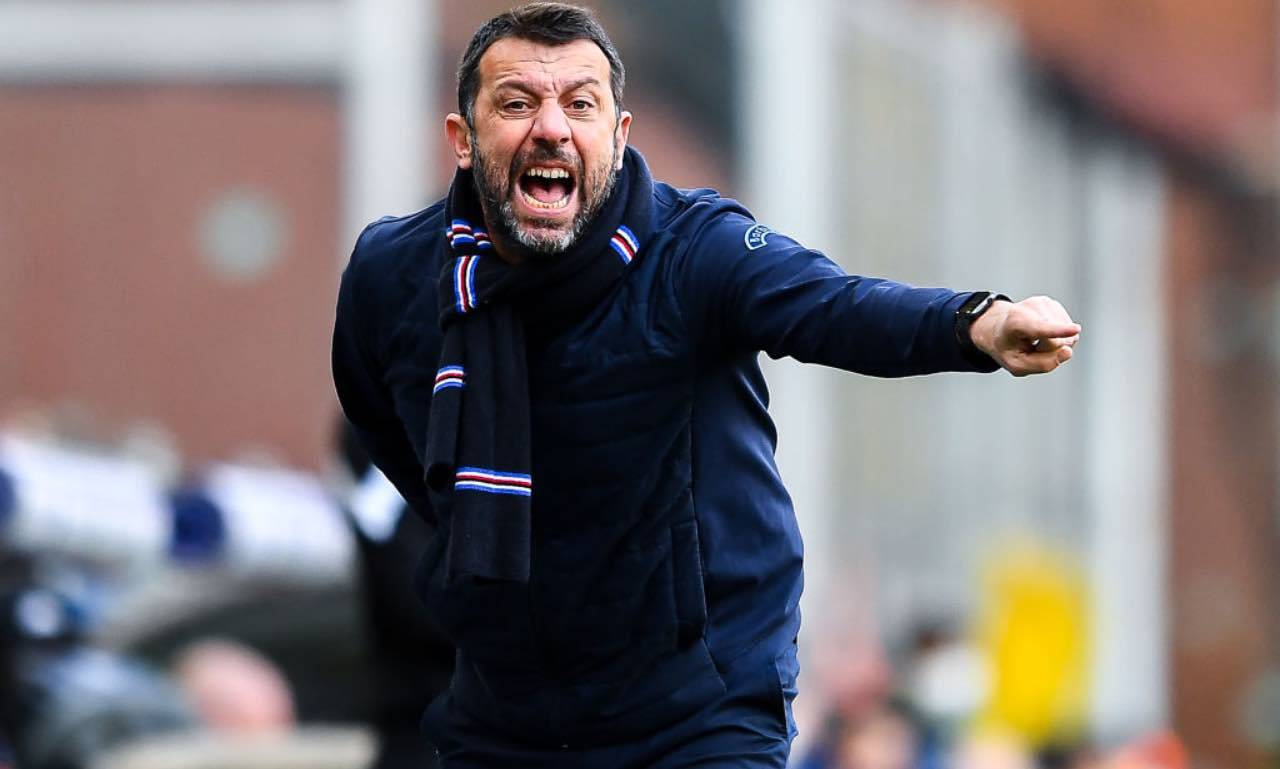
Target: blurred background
x,y
197,569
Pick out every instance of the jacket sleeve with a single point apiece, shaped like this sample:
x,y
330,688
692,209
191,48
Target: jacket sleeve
x,y
745,287
358,378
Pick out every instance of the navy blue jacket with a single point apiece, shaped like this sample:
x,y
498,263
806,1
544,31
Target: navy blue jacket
x,y
665,547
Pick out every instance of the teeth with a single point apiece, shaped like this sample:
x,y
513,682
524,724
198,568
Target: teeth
x,y
548,173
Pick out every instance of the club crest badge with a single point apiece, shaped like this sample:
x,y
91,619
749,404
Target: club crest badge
x,y
756,237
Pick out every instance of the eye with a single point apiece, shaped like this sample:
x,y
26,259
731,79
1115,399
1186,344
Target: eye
x,y
516,105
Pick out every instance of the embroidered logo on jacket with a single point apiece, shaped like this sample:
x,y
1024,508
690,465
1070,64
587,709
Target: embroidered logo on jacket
x,y
756,237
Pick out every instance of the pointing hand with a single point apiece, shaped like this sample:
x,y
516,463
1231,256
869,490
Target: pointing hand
x,y
1033,336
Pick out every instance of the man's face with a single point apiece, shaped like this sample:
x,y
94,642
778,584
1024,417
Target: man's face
x,y
546,142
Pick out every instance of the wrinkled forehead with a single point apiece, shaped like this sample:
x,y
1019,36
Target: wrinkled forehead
x,y
542,67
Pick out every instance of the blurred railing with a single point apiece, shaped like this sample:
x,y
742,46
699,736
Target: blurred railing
x,y
312,748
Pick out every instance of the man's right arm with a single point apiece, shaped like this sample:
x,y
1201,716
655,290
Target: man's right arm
x,y
358,365
744,287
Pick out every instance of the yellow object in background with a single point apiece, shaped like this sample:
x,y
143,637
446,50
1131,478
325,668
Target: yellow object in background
x,y
1033,630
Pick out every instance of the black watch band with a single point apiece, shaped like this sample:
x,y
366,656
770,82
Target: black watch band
x,y
972,309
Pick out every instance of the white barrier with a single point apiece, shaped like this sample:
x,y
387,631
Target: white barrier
x,y
280,523
79,503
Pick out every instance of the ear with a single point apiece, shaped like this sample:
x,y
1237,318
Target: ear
x,y
455,127
620,135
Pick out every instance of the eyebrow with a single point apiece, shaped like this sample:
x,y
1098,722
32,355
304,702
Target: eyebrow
x,y
519,85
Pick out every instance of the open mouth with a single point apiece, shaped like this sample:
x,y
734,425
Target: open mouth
x,y
547,188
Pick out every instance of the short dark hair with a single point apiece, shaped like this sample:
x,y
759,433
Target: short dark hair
x,y
541,22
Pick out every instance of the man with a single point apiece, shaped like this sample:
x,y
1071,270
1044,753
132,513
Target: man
x,y
557,366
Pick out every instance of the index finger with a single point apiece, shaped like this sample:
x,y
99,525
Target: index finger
x,y
1040,328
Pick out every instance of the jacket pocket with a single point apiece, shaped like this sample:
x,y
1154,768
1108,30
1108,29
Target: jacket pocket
x,y
690,595
786,667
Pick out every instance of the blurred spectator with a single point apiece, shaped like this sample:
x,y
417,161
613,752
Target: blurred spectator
x,y
946,678
1161,750
854,669
62,702
885,738
992,750
882,735
234,689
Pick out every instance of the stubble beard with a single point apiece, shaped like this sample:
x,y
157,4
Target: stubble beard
x,y
496,186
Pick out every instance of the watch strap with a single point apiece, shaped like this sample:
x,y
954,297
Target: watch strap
x,y
969,311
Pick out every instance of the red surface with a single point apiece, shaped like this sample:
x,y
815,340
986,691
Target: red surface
x,y
106,302
1198,72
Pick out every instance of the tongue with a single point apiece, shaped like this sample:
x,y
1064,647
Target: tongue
x,y
548,190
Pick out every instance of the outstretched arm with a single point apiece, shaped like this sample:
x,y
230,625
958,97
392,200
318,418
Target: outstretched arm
x,y
770,293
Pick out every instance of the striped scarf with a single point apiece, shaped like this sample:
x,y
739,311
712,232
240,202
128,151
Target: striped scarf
x,y
479,462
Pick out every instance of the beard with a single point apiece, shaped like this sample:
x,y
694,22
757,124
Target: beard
x,y
495,187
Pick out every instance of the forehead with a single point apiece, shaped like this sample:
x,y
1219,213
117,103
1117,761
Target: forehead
x,y
514,60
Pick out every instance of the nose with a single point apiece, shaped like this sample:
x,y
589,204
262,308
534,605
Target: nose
x,y
550,125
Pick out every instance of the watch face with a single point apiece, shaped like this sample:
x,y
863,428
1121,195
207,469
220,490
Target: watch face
x,y
974,305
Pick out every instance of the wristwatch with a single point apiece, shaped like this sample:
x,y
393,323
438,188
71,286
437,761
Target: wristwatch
x,y
972,309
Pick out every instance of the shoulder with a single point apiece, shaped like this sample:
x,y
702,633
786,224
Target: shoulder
x,y
716,233
391,277
393,256
687,212
706,220
395,244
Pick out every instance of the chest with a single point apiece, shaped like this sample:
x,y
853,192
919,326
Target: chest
x,y
613,380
